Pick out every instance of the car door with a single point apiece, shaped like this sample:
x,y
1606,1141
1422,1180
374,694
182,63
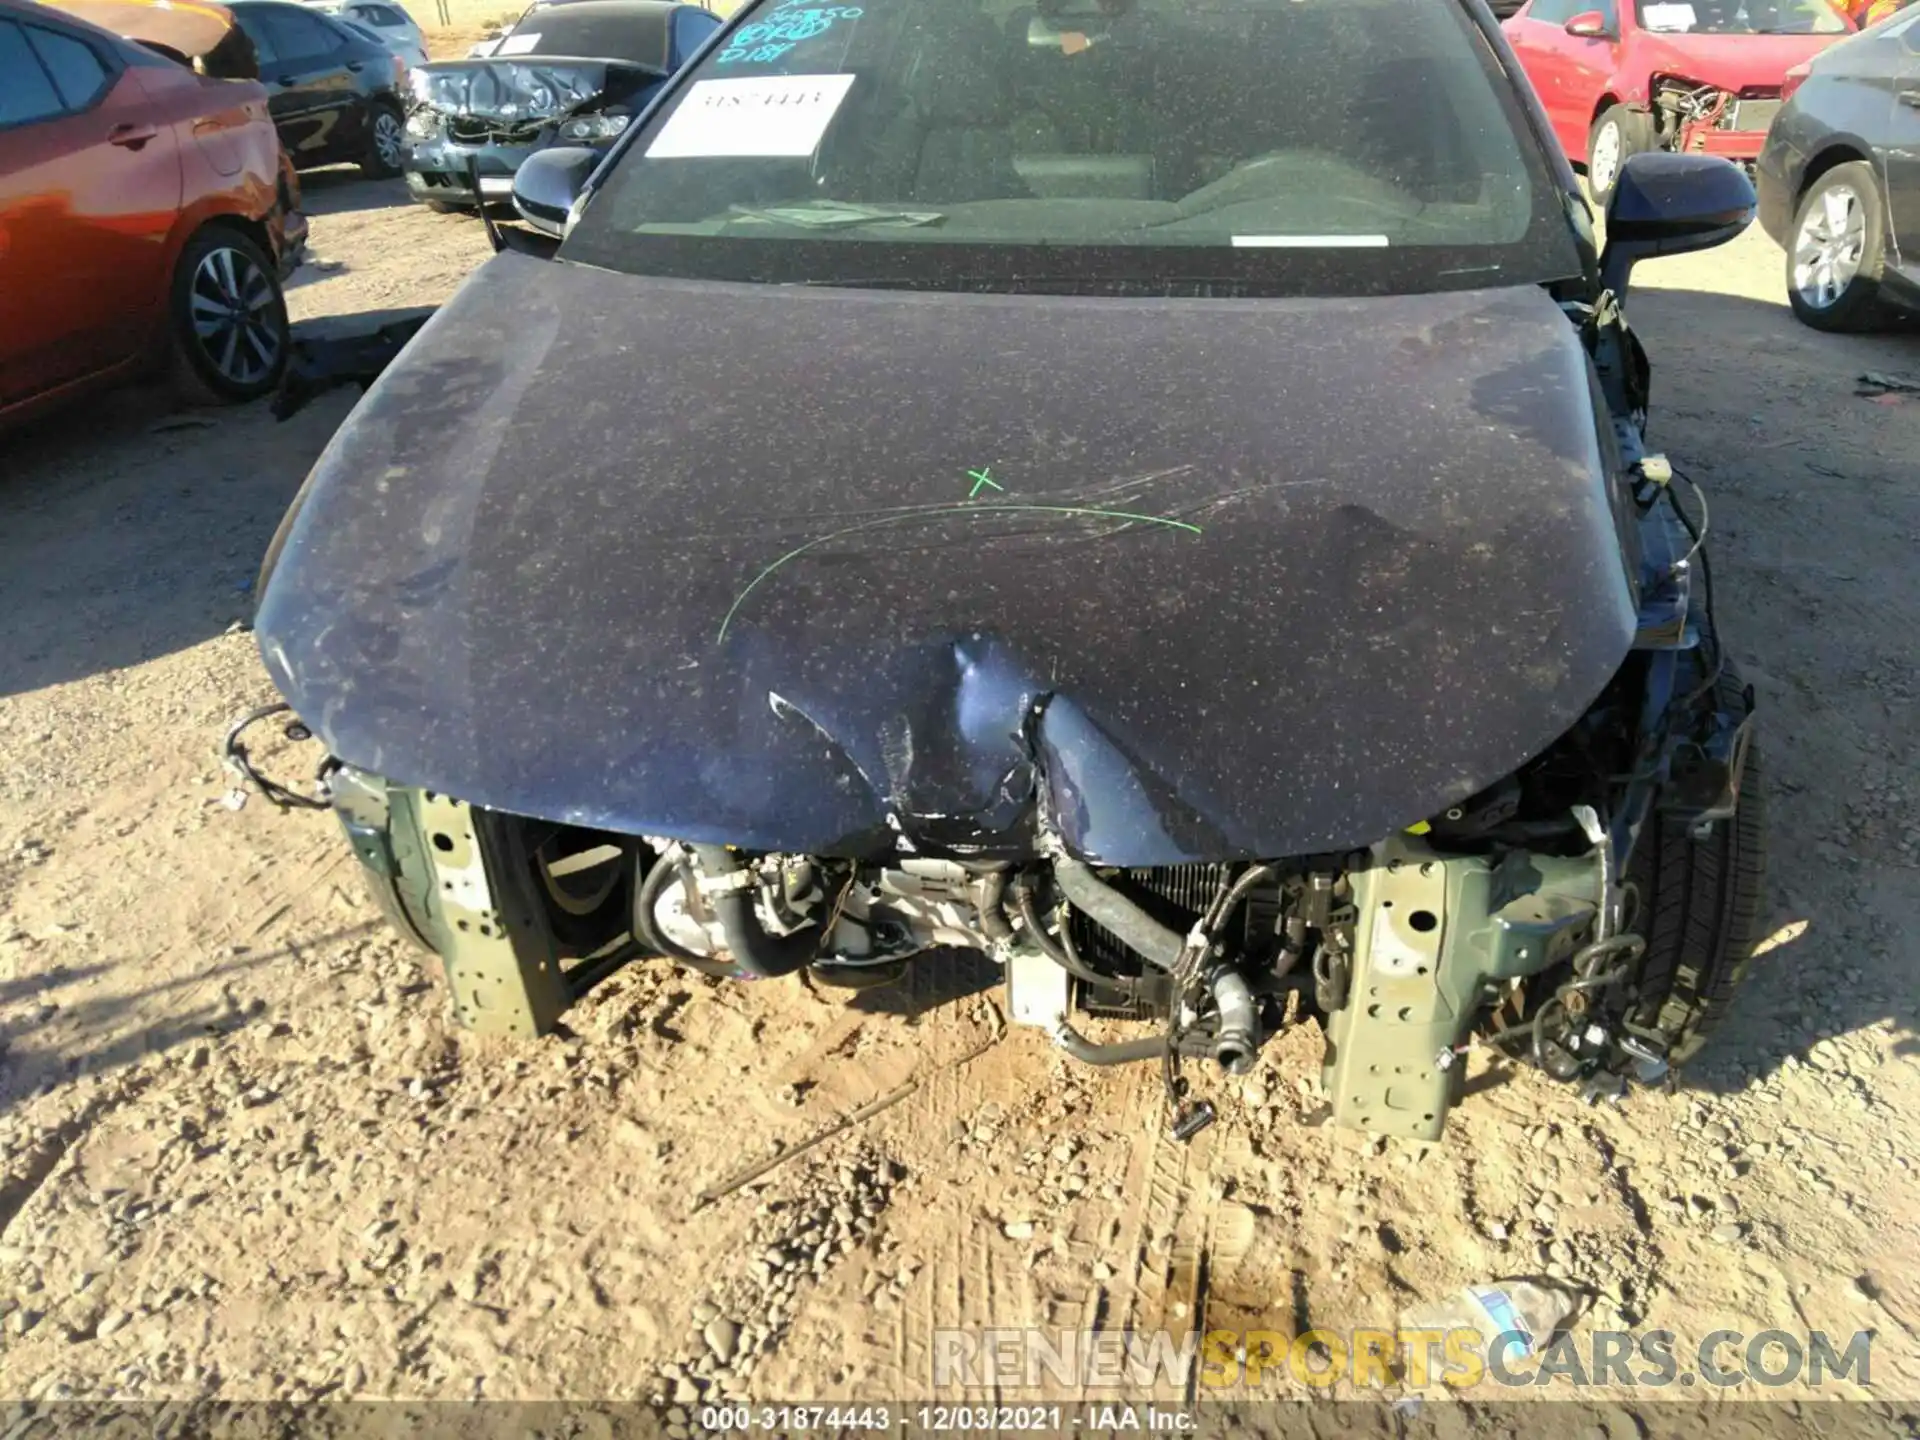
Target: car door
x,y
1901,153
1538,35
312,80
1588,63
89,191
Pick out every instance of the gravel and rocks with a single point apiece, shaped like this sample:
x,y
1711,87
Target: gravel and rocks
x,y
790,1248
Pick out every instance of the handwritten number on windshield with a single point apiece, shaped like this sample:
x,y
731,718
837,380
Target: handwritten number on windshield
x,y
791,23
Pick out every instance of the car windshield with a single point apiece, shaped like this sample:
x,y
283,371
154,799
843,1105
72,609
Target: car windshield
x,y
1308,146
1740,17
590,31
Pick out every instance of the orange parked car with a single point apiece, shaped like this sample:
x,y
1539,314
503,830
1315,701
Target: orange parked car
x,y
147,212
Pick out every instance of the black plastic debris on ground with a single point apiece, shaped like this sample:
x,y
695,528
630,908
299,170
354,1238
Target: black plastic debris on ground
x,y
344,350
1876,383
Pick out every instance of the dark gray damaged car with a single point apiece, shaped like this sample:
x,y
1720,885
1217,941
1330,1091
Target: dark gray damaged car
x,y
1153,494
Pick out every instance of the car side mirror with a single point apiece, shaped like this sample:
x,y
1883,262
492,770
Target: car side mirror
x,y
1589,25
548,182
1667,204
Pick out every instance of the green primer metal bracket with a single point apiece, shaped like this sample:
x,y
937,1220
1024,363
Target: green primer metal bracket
x,y
1433,936
427,868
503,973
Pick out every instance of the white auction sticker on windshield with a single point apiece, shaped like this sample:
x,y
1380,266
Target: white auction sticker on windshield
x,y
751,116
1310,242
517,44
1668,17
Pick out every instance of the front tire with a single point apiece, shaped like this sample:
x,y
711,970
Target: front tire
x,y
1836,252
386,144
1616,137
1700,907
227,319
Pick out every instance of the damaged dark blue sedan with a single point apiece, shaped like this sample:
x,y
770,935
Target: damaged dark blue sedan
x,y
1154,494
574,75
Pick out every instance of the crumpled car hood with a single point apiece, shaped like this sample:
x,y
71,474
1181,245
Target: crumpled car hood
x,y
853,572
531,88
1731,62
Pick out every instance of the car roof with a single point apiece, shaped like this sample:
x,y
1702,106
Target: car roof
x,y
59,19
356,32
645,24
190,27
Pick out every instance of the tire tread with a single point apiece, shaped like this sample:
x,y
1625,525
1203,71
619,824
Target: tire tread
x,y
1702,903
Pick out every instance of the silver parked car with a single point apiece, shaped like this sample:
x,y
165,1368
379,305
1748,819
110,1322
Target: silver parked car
x,y
388,21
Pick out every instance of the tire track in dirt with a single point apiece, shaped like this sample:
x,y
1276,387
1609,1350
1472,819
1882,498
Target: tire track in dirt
x,y
53,1148
1164,1230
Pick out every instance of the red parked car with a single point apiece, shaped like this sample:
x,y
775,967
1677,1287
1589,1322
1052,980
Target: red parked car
x,y
147,213
1621,76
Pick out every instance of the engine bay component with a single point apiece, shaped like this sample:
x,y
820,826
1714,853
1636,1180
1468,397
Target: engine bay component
x,y
1684,110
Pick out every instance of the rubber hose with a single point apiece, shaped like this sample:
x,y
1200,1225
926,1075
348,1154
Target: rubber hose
x,y
1125,1052
1237,1038
646,929
752,948
1075,964
1292,947
1059,951
993,914
1249,878
1030,917
1538,1035
1108,908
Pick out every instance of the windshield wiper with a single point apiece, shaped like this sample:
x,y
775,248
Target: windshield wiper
x,y
1171,286
833,215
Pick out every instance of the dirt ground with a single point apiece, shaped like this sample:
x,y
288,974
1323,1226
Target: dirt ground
x,y
244,1154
